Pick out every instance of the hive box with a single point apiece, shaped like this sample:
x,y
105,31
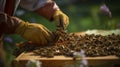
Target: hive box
x,y
61,61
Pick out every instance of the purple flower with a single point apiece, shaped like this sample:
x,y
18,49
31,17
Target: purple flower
x,y
8,39
105,10
84,61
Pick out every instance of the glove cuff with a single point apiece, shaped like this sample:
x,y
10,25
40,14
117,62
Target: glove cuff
x,y
21,28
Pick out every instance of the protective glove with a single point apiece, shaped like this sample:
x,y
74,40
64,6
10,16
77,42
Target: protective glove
x,y
36,33
61,20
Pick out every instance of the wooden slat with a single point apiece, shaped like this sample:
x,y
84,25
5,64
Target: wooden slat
x,y
62,61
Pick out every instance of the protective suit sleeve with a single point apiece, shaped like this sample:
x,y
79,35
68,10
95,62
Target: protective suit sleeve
x,y
45,8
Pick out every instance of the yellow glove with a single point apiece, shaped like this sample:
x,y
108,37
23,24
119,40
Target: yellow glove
x,y
61,19
36,33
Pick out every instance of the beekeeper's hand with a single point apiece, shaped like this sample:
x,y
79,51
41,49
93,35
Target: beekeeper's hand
x,y
36,33
61,19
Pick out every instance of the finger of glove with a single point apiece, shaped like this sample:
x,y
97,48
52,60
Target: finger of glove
x,y
60,20
47,34
67,22
57,20
64,21
51,38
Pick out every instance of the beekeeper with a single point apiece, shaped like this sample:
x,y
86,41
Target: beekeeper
x,y
36,33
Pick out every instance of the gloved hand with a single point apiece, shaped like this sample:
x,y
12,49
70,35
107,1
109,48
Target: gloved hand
x,y
36,33
61,20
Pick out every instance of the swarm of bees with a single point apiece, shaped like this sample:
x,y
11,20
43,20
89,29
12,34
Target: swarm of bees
x,y
93,45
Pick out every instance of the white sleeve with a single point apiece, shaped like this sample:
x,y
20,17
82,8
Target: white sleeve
x,y
33,4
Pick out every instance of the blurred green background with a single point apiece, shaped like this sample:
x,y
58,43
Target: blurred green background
x,y
83,14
